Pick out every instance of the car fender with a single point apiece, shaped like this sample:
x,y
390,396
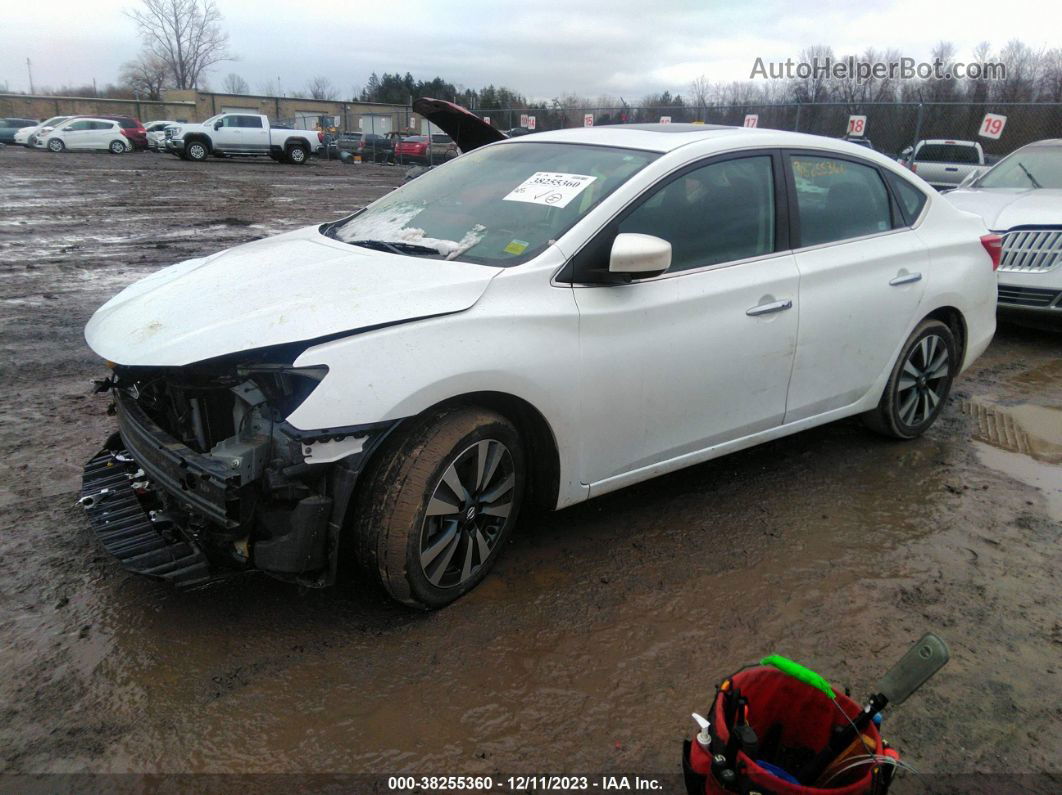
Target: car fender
x,y
517,340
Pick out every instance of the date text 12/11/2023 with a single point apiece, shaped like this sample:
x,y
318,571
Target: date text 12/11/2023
x,y
603,783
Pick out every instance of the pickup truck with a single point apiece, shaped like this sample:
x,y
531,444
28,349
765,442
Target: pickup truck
x,y
242,134
943,163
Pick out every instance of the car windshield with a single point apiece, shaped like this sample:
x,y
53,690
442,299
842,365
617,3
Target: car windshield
x,y
1032,167
500,205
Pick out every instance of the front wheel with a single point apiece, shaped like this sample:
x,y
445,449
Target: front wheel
x,y
439,504
196,151
919,384
55,145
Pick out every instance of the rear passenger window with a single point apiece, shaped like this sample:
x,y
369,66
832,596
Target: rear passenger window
x,y
838,199
719,213
250,121
911,199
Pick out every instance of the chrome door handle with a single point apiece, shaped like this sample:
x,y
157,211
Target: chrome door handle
x,y
766,309
906,278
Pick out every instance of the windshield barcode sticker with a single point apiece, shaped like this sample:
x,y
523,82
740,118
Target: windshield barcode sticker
x,y
549,188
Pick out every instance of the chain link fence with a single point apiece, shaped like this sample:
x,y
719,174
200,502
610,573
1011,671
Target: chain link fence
x,y
891,127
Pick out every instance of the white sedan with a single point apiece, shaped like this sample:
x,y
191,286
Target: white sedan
x,y
538,322
156,134
86,133
1021,198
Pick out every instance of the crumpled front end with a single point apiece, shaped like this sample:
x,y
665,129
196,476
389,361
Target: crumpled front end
x,y
205,478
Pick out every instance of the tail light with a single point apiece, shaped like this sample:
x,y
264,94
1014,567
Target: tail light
x,y
124,132
320,136
913,167
994,246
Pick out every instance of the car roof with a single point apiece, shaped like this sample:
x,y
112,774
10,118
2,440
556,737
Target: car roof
x,y
669,137
949,141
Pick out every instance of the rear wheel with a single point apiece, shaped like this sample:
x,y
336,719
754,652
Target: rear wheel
x,y
919,384
117,147
56,145
439,504
297,154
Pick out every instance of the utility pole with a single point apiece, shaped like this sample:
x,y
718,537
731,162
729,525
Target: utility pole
x,y
29,71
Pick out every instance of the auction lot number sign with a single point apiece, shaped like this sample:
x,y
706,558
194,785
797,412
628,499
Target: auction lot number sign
x,y
857,125
752,120
992,126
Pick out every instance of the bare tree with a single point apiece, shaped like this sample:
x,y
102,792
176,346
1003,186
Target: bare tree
x,y
700,92
321,88
234,84
147,76
185,34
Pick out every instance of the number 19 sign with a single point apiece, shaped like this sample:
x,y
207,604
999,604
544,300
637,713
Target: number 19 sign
x,y
992,126
857,125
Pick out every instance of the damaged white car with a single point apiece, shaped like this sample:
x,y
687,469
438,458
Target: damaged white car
x,y
535,323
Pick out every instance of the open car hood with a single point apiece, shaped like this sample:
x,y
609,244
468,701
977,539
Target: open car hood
x,y
468,130
291,288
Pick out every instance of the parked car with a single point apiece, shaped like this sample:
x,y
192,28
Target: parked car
x,y
156,134
430,150
1020,198
89,133
33,137
372,148
10,125
859,140
245,135
132,129
538,322
944,163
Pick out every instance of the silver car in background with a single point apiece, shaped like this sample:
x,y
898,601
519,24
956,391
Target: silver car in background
x,y
1021,198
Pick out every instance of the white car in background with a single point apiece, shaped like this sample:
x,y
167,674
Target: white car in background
x,y
1021,199
87,133
34,136
156,134
537,322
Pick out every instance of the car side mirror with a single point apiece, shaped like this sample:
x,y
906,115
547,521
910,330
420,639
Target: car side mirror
x,y
67,129
639,256
217,125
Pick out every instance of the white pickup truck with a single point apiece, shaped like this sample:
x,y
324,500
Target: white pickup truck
x,y
944,163
242,134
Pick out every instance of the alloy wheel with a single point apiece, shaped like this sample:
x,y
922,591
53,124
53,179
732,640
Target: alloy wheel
x,y
923,381
466,513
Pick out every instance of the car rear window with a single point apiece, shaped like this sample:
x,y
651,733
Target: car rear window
x,y
947,153
911,198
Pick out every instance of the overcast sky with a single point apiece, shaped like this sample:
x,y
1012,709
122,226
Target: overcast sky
x,y
542,48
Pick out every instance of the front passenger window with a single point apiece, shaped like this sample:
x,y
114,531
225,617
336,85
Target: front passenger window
x,y
718,213
838,199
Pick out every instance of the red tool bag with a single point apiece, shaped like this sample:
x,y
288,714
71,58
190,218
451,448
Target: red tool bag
x,y
792,721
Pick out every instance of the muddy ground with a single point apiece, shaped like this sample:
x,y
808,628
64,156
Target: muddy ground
x,y
602,627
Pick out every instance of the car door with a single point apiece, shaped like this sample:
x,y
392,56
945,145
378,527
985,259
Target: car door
x,y
255,135
77,134
229,137
102,133
701,355
862,276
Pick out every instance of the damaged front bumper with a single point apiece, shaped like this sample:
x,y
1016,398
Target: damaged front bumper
x,y
271,498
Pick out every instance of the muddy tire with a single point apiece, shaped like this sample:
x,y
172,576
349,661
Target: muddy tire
x,y
438,505
196,151
55,145
919,384
297,154
117,148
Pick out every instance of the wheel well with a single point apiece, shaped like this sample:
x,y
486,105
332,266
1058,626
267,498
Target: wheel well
x,y
292,141
542,453
202,139
954,320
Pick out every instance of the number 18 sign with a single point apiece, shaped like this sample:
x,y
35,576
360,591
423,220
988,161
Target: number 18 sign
x,y
857,125
992,126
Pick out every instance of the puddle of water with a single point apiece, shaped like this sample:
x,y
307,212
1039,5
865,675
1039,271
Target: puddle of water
x,y
1023,441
